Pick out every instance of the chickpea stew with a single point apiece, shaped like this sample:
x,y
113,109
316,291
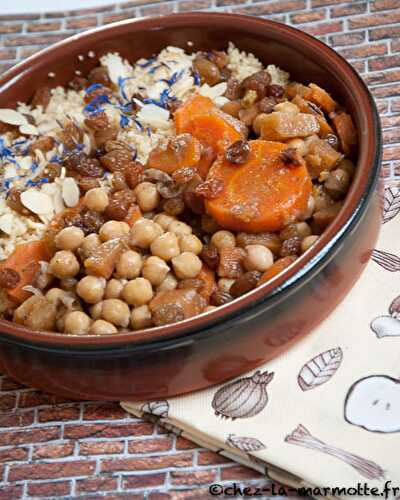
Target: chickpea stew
x,y
145,194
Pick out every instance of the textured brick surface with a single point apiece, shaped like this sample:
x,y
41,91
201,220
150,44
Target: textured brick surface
x,y
54,448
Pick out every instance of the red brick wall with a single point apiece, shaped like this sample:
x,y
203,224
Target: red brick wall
x,y
55,448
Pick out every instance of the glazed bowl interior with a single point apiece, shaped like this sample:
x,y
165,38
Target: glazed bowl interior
x,y
306,59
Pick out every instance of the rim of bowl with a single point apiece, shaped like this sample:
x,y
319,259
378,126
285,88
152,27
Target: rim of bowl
x,y
352,210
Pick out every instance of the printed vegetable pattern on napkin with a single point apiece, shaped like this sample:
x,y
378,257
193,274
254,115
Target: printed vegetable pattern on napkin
x,y
327,412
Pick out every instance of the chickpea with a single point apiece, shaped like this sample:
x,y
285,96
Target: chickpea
x,y
68,284
96,310
116,312
165,246
164,220
91,289
300,229
308,242
76,323
143,233
141,317
190,243
223,239
96,199
147,196
69,238
286,107
208,224
64,264
54,295
337,183
298,144
179,228
348,166
129,265
187,265
258,258
101,327
169,283
155,269
225,284
138,292
113,229
114,289
210,308
310,208
89,243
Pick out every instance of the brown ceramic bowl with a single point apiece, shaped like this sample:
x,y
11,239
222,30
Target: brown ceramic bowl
x,y
241,335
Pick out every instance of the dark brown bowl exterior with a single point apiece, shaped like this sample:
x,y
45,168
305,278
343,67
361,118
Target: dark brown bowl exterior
x,y
208,349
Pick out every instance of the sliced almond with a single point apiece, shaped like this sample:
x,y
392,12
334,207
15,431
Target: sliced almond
x,y
28,129
6,223
37,202
70,192
12,117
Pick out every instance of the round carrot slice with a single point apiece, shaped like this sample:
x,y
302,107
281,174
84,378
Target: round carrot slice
x,y
263,194
194,106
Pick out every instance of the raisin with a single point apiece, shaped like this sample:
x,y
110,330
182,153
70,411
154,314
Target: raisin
x,y
44,144
101,91
133,173
174,206
99,75
226,73
248,115
169,189
117,159
210,256
210,189
167,314
88,220
238,152
275,90
119,181
219,298
232,108
112,145
183,175
9,278
232,91
78,83
290,246
84,165
230,262
194,202
258,81
267,104
41,97
71,135
248,281
194,283
119,204
87,183
291,157
219,58
14,202
97,121
107,134
52,171
208,71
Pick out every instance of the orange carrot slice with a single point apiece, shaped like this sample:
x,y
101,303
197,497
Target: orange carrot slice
x,y
211,126
276,268
263,194
184,150
25,261
322,98
194,106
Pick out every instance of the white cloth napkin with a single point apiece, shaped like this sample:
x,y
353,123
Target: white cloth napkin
x,y
326,412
